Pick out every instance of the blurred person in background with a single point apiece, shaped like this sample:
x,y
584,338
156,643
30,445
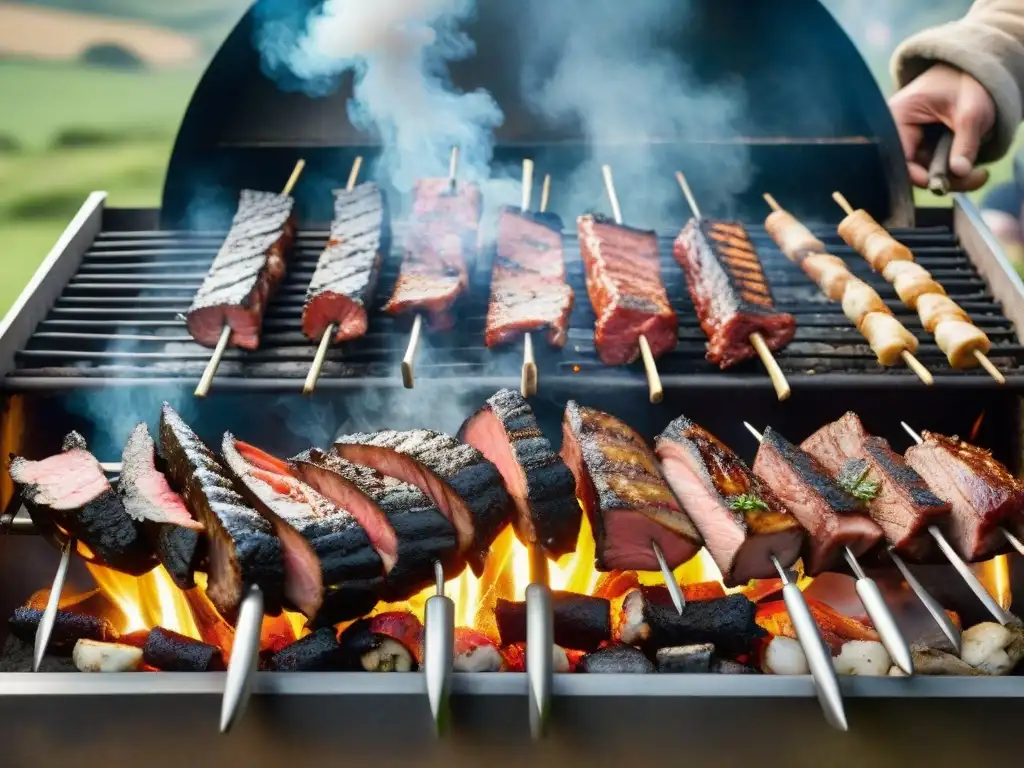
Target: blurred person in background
x,y
968,75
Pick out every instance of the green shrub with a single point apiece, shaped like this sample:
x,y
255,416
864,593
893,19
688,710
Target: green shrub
x,y
87,136
9,145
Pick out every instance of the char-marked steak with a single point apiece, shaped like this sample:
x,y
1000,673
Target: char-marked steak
x,y
628,502
904,506
243,550
346,275
147,496
547,512
742,521
464,485
832,517
246,271
420,534
70,491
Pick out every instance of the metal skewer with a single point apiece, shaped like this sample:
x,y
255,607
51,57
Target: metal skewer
x,y
938,613
439,651
244,659
49,616
655,390
325,342
203,389
540,643
871,598
529,375
674,590
957,562
938,171
771,365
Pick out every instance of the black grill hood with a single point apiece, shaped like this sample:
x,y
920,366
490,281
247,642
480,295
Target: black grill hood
x,y
815,119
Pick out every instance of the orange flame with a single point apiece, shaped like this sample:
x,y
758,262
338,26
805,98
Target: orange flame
x,y
976,427
147,601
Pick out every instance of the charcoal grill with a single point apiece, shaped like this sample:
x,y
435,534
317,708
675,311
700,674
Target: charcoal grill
x,y
94,343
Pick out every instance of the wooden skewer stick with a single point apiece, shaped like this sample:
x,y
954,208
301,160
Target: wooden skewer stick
x,y
654,388
771,365
325,341
528,384
545,193
994,372
203,389
840,198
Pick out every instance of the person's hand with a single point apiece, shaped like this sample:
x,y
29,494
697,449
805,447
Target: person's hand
x,y
944,95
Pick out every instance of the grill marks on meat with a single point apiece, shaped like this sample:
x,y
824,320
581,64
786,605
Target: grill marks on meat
x,y
981,491
832,518
464,485
243,550
627,500
711,482
547,512
70,491
528,287
246,271
442,231
346,275
623,275
730,292
905,506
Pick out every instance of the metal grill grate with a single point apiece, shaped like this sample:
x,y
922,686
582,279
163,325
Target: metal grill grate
x,y
119,318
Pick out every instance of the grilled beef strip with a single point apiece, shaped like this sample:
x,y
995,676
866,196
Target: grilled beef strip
x,y
246,271
903,505
742,521
529,291
730,292
623,275
547,512
70,491
347,273
832,517
243,550
464,485
625,496
983,494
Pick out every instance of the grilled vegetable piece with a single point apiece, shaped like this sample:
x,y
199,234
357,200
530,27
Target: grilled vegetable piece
x,y
366,650
581,622
475,652
96,656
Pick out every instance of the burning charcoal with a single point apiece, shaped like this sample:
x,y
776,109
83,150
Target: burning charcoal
x,y
928,661
276,633
68,629
992,648
316,652
94,603
613,584
685,659
136,639
364,649
581,622
863,657
16,656
93,656
836,629
475,652
212,628
784,656
170,652
561,660
728,667
347,601
616,659
650,620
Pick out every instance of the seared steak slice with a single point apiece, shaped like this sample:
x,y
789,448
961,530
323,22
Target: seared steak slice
x,y
542,486
832,518
628,502
464,485
742,521
70,491
243,550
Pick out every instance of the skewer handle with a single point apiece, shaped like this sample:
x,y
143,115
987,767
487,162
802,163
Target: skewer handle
x,y
318,361
409,361
917,367
540,643
772,202
545,193
657,393
994,372
843,202
294,178
613,198
244,657
353,175
203,389
528,384
938,171
778,378
527,184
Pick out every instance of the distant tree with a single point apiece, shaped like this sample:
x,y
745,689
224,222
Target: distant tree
x,y
112,56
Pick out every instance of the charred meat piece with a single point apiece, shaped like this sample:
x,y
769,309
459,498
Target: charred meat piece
x,y
981,491
624,283
475,652
650,621
170,652
581,622
464,485
543,488
628,502
528,287
419,533
832,517
243,550
147,497
246,271
898,498
362,649
318,651
70,491
346,275
68,629
742,521
616,659
730,292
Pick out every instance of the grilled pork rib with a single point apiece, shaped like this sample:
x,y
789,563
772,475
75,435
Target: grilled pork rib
x,y
730,292
246,271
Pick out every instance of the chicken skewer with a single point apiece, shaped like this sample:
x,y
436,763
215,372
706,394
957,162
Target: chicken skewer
x,y
203,389
888,338
325,342
529,376
757,340
963,343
